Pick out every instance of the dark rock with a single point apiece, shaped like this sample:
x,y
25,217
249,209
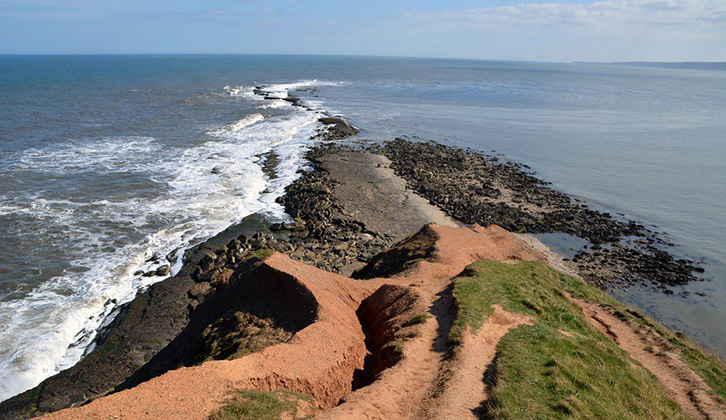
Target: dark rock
x,y
199,289
337,129
447,177
141,328
164,270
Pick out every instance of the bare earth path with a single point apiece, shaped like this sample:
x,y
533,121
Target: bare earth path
x,y
313,363
681,384
466,390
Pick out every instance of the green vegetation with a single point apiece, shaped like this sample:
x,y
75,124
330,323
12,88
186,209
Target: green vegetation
x,y
248,404
559,367
394,347
260,255
542,374
710,368
531,288
238,334
418,319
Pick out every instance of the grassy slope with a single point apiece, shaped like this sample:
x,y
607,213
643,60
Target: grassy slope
x,y
543,373
248,404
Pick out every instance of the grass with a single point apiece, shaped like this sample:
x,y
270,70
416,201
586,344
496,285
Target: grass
x,y
709,367
531,288
418,319
542,373
248,404
260,255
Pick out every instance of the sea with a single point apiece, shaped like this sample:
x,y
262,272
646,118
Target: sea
x,y
110,164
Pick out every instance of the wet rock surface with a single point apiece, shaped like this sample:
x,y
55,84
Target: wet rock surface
x,y
141,328
337,128
324,235
476,188
143,340
257,307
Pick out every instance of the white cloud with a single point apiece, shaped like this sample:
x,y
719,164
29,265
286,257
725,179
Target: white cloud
x,y
698,15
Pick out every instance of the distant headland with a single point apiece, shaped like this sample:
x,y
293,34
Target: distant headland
x,y
689,65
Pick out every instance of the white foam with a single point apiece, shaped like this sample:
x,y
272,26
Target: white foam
x,y
240,91
240,124
275,105
282,90
205,189
244,122
103,155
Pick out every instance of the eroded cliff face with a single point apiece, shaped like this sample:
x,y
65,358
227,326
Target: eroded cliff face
x,y
348,336
383,346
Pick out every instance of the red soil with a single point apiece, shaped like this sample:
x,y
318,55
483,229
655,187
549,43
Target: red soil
x,y
321,359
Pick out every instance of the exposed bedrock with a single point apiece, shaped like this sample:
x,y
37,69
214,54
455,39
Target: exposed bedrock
x,y
337,129
351,207
236,303
477,188
140,329
398,258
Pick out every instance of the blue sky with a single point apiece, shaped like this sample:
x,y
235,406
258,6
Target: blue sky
x,y
554,30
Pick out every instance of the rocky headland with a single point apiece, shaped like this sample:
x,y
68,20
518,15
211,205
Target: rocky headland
x,y
403,286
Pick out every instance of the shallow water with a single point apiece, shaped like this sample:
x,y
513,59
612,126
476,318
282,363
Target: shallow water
x,y
108,160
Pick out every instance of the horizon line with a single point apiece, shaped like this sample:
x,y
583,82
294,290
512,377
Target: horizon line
x,y
353,56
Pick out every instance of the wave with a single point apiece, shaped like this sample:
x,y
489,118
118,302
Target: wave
x,y
244,122
185,195
275,94
239,125
282,90
101,155
275,105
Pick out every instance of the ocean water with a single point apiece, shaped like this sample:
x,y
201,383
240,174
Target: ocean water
x,y
108,161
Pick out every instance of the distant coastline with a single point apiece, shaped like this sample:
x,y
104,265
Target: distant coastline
x,y
687,65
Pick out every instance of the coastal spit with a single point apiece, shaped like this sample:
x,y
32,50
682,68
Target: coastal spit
x,y
405,286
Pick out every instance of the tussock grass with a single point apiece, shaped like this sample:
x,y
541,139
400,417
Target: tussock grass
x,y
418,319
541,373
261,254
250,404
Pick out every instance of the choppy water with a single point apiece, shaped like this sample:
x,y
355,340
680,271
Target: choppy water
x,y
108,160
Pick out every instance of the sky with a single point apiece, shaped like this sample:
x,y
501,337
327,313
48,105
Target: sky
x,y
533,30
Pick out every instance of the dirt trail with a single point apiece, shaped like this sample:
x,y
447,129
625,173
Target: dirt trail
x,y
466,391
402,391
681,384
